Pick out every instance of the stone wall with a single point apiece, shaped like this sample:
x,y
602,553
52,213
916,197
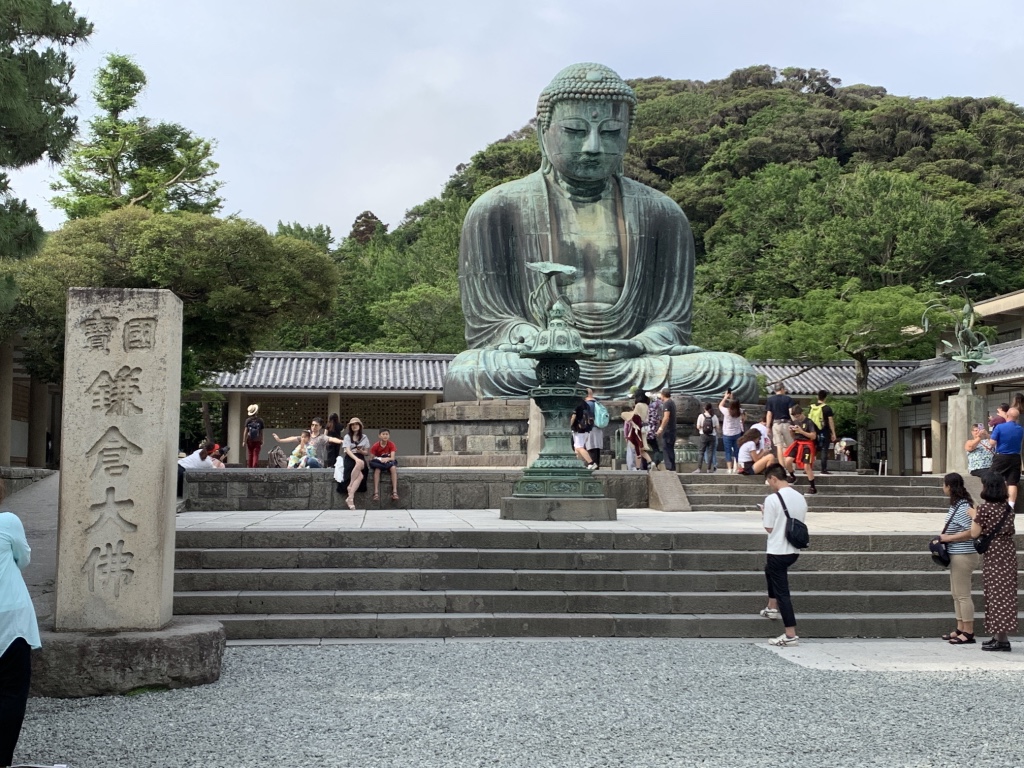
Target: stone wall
x,y
19,478
282,489
481,427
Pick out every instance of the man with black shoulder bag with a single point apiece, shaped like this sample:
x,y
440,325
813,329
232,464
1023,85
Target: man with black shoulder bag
x,y
784,512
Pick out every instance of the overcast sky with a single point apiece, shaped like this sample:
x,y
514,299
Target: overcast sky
x,y
323,109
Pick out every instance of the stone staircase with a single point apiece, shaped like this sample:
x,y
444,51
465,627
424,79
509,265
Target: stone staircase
x,y
719,492
479,583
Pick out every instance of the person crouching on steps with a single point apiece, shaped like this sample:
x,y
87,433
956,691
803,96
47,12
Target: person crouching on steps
x,y
781,554
802,451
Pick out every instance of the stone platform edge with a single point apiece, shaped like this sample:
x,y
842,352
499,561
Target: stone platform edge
x,y
233,490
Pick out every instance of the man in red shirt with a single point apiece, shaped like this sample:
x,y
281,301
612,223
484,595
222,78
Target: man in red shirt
x,y
383,453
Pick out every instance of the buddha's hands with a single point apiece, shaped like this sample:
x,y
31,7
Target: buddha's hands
x,y
615,349
522,337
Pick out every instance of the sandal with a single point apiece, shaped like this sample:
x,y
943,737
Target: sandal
x,y
376,497
394,497
951,635
963,638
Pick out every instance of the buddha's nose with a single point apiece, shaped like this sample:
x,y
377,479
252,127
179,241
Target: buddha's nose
x,y
593,143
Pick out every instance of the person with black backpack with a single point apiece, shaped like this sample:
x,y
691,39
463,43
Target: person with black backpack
x,y
252,436
581,423
784,512
708,429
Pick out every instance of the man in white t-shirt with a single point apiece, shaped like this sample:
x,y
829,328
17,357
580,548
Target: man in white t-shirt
x,y
781,554
196,460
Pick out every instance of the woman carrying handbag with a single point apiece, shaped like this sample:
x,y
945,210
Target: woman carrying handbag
x,y
993,523
963,558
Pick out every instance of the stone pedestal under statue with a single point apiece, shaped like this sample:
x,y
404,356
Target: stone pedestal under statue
x,y
962,410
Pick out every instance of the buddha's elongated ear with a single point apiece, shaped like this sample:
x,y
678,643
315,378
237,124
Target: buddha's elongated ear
x,y
545,164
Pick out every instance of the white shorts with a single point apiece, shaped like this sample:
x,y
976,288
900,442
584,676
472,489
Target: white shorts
x,y
579,439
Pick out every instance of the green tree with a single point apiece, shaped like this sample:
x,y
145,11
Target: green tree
x,y
128,162
234,279
35,73
320,235
825,325
365,227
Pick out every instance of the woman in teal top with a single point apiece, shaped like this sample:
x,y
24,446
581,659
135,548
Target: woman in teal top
x,y
18,632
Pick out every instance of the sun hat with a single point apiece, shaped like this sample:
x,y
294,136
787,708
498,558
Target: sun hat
x,y
252,409
355,420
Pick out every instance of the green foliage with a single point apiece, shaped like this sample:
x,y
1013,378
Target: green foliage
x,y
234,279
35,99
135,162
320,235
826,325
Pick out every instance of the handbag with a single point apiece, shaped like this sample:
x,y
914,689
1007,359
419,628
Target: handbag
x,y
796,531
940,554
982,543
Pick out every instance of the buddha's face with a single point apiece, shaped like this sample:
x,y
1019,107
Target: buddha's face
x,y
587,139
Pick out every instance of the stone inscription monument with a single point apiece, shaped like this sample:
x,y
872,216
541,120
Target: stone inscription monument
x,y
113,629
630,248
122,368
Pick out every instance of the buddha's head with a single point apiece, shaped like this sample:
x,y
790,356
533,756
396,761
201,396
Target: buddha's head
x,y
583,119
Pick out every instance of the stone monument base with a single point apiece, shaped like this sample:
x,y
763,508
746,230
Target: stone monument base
x,y
70,665
554,508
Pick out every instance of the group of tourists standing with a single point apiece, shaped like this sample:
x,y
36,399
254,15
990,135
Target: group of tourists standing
x,y
649,430
348,450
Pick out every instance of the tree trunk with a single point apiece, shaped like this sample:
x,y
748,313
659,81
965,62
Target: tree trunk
x,y
207,426
863,414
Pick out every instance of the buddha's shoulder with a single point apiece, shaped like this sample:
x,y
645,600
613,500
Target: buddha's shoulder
x,y
510,194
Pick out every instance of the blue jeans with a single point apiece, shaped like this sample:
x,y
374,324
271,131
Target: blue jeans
x,y
313,463
732,447
708,448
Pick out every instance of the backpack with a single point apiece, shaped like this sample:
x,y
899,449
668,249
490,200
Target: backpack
x,y
816,413
584,421
252,430
600,415
276,458
708,425
796,530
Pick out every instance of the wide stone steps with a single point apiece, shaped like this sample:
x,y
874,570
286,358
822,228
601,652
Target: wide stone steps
x,y
836,493
230,561
531,601
533,624
454,583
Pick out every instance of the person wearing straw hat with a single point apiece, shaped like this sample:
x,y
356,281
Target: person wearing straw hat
x,y
252,436
350,472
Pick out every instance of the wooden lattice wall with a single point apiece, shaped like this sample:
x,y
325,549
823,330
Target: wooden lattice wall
x,y
375,413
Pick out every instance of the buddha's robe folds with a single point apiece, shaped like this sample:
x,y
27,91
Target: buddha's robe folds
x,y
511,225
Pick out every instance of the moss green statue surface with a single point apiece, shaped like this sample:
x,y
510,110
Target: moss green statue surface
x,y
629,247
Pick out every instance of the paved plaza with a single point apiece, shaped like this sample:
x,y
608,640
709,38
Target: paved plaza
x,y
555,704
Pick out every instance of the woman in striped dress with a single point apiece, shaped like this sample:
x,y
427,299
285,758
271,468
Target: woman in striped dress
x,y
963,559
1000,568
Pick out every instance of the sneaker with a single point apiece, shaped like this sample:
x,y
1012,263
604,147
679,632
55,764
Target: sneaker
x,y
770,613
591,465
784,641
696,471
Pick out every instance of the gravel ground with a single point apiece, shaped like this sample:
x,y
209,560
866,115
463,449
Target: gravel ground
x,y
538,705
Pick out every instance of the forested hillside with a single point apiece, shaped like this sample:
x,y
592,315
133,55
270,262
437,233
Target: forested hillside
x,y
791,181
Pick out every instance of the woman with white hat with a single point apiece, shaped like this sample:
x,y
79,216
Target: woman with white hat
x,y
252,436
350,472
